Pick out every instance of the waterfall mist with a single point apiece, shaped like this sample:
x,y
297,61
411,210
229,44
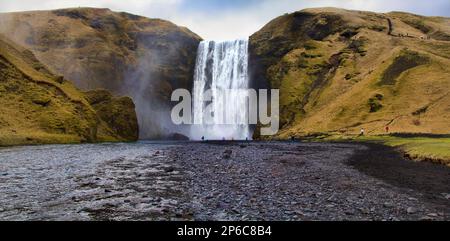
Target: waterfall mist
x,y
221,66
151,95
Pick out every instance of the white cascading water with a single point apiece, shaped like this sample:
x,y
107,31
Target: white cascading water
x,y
221,66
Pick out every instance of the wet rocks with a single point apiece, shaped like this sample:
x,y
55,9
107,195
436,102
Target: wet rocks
x,y
388,205
183,181
227,154
446,196
279,181
411,210
169,169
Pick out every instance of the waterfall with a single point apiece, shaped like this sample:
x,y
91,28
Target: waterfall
x,y
221,66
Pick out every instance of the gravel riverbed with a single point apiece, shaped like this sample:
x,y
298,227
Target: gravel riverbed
x,y
219,181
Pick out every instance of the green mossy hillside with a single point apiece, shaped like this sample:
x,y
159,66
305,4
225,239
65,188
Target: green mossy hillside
x,y
117,112
126,54
339,71
38,107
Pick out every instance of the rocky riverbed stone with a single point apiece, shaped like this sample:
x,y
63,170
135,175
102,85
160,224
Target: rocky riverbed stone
x,y
186,181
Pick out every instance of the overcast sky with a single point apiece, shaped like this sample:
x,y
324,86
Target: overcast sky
x,y
229,19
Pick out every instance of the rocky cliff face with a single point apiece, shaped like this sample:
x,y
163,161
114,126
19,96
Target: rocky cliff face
x,y
117,112
339,71
38,107
126,54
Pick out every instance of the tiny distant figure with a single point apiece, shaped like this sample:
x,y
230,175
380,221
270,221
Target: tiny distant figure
x,y
203,138
246,138
292,138
223,138
361,133
387,129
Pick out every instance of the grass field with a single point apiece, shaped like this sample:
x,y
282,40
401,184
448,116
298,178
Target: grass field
x,y
434,149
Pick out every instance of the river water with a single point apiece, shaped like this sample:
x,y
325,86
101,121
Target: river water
x,y
79,182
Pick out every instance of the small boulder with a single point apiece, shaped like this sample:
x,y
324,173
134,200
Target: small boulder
x,y
227,154
388,205
410,210
169,169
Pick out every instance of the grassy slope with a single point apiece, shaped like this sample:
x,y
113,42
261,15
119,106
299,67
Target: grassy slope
x,y
422,148
38,107
434,149
348,73
339,71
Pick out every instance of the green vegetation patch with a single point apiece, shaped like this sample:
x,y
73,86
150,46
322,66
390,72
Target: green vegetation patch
x,y
350,32
358,45
352,75
375,103
416,147
310,45
405,61
418,24
72,13
439,35
421,148
378,28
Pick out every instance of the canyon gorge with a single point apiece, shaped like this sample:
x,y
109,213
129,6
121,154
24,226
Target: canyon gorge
x,y
337,70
